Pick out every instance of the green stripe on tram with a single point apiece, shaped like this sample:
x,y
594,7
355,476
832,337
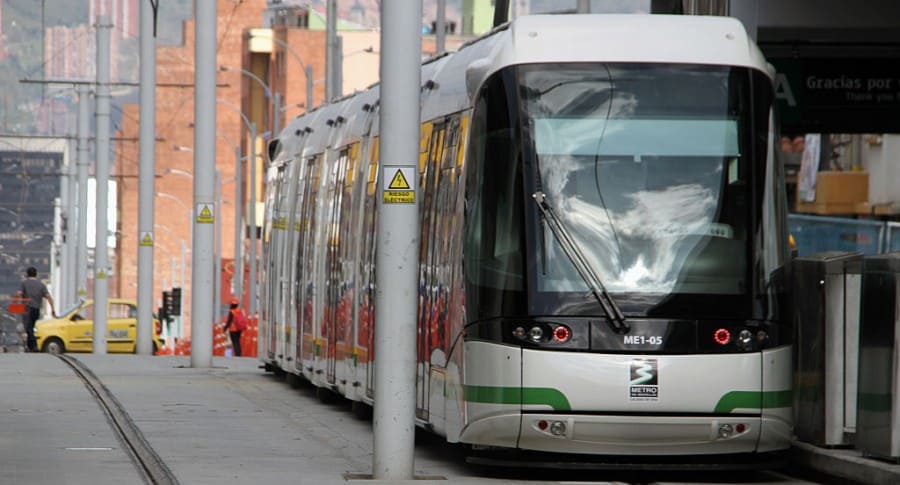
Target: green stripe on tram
x,y
753,400
526,396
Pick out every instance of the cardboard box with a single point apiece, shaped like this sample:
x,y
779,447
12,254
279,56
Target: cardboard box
x,y
842,187
837,193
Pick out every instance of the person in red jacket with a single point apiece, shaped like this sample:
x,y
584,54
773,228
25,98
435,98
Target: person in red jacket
x,y
235,325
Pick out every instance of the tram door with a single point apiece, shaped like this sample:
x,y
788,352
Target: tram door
x,y
346,243
366,335
333,280
428,212
272,275
305,260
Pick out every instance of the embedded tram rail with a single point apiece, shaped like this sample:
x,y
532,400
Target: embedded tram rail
x,y
147,462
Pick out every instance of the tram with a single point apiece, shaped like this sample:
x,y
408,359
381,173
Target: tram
x,y
603,256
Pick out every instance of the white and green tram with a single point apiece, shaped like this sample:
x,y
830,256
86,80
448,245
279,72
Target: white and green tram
x,y
603,256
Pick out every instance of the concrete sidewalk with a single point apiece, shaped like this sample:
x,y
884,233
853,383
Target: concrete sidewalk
x,y
233,423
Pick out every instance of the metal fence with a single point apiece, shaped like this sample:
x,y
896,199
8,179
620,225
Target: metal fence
x,y
814,234
892,237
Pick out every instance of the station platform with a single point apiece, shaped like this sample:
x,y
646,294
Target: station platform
x,y
232,423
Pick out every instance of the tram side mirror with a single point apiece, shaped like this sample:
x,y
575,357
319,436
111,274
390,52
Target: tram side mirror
x,y
273,149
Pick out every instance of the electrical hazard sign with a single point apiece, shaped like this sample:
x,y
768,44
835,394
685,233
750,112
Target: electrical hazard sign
x,y
205,214
146,239
399,185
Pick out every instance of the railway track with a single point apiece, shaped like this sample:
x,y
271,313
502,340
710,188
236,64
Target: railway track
x,y
147,462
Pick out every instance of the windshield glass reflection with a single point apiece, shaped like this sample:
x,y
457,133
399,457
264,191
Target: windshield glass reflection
x,y
643,165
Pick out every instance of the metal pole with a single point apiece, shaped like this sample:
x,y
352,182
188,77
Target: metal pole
x,y
71,241
330,43
237,278
217,238
181,285
101,258
584,6
65,211
338,66
251,220
398,242
276,114
57,246
145,181
309,88
440,28
82,169
204,166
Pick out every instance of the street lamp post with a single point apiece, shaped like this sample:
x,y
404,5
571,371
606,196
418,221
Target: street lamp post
x,y
307,69
177,200
274,101
251,208
217,231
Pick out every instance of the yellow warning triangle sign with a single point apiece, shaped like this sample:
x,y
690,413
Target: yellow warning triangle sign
x,y
399,182
147,240
206,213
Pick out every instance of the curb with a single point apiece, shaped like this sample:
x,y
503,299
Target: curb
x,y
848,464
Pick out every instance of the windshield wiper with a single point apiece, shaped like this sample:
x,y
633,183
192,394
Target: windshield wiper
x,y
587,273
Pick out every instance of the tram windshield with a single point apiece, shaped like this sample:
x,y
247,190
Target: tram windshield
x,y
661,175
643,165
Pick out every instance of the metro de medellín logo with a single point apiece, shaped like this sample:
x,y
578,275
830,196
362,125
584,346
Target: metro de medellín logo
x,y
643,380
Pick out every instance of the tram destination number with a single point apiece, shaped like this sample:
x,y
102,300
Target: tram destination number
x,y
642,340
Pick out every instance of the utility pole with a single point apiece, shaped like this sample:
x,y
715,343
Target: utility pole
x,y
397,249
204,166
332,53
217,249
82,175
146,181
237,277
71,222
251,220
101,256
440,27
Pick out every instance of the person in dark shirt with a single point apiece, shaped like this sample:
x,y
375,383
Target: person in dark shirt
x,y
35,292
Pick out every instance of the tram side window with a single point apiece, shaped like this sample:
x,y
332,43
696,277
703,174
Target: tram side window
x,y
494,238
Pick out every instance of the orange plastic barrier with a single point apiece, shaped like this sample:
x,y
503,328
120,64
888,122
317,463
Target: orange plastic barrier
x,y
183,347
221,341
249,337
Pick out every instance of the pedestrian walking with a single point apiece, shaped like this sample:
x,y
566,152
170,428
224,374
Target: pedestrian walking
x,y
35,292
235,326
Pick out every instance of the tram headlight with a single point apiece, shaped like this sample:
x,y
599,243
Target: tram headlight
x,y
571,335
744,340
725,431
558,428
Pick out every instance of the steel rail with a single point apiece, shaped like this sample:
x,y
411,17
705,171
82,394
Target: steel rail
x,y
147,461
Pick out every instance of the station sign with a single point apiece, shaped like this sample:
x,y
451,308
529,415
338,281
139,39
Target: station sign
x,y
838,95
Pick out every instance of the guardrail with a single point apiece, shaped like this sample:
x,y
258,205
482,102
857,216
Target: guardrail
x,y
816,234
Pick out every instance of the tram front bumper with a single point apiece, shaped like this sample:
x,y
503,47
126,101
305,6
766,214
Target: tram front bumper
x,y
623,435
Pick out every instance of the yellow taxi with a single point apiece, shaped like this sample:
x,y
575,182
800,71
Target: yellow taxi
x,y
73,330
